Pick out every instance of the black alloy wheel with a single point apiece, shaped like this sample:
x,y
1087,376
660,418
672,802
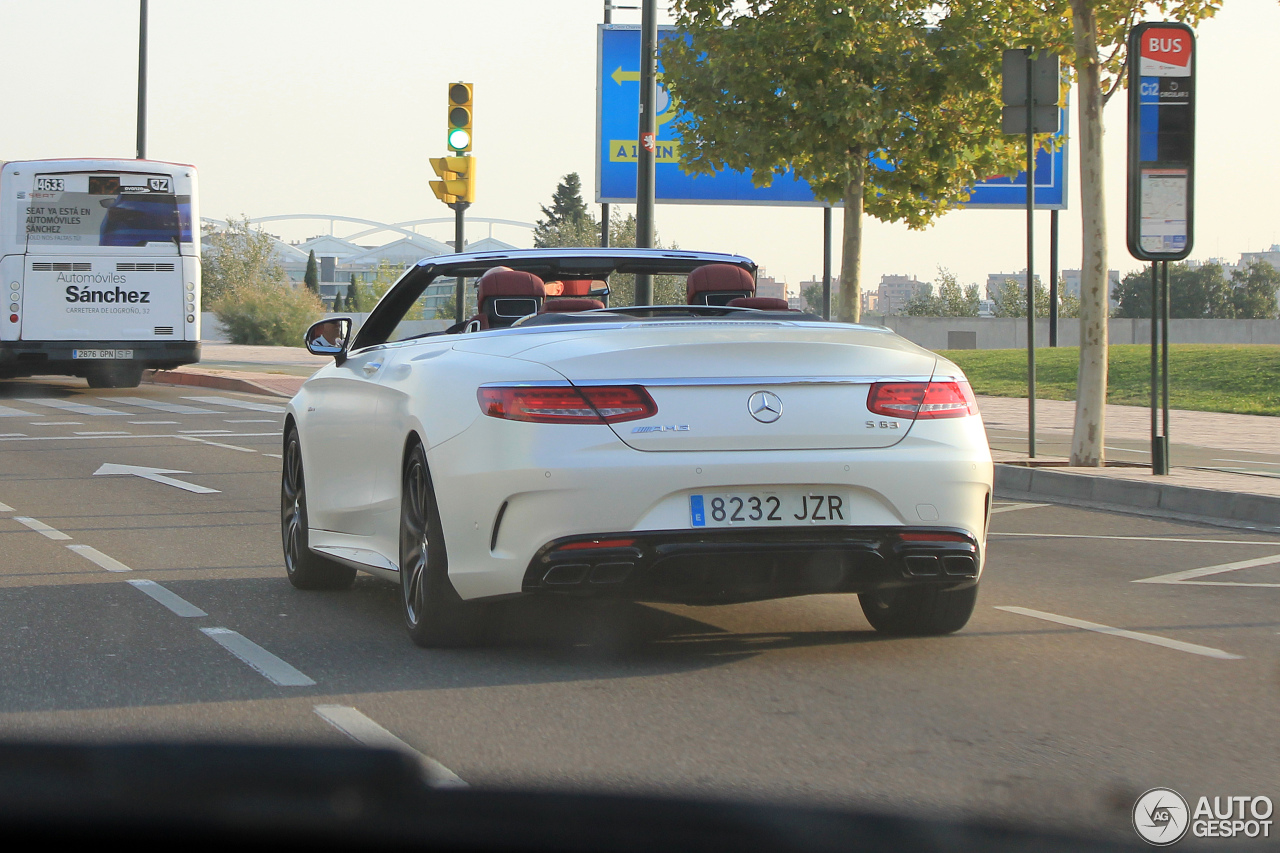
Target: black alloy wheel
x,y
305,569
434,614
919,610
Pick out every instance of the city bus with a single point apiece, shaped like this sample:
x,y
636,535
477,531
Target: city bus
x,y
100,269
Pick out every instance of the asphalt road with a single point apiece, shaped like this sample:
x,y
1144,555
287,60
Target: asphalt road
x,y
136,608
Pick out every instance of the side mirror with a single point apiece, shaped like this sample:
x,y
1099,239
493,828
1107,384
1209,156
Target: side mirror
x,y
330,337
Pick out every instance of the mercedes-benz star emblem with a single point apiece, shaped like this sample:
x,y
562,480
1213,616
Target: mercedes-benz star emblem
x,y
765,406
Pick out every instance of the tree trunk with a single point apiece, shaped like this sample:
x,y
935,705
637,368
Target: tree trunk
x,y
1091,380
850,310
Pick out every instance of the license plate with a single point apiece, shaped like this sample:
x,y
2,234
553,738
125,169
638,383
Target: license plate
x,y
768,509
102,353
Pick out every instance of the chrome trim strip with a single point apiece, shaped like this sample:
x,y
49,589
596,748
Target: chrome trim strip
x,y
750,380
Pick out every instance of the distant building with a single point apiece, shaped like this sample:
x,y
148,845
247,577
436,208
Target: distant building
x,y
1271,257
996,280
769,286
1071,284
896,292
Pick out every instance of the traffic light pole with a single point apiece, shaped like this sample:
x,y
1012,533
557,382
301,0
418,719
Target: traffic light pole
x,y
1031,290
459,243
142,81
646,149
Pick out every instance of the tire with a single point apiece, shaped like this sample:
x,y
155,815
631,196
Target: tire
x,y
919,611
122,376
305,569
434,614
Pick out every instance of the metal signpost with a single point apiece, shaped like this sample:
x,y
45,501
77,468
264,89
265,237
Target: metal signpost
x,y
142,80
1030,89
1161,181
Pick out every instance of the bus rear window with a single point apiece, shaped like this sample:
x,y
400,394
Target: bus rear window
x,y
106,210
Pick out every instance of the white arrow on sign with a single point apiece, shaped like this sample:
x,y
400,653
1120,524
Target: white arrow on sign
x,y
155,475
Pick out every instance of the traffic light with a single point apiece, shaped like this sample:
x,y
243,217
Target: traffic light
x,y
459,117
457,179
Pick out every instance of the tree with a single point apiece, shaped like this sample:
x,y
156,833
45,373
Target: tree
x,y
568,222
235,256
667,289
1253,294
829,87
339,303
1194,292
812,296
312,277
355,304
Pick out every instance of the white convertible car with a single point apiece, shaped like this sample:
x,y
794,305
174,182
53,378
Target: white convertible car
x,y
720,451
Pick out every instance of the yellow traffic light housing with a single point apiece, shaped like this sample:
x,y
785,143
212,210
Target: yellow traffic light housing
x,y
460,108
457,182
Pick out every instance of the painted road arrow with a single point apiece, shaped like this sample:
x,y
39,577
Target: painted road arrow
x,y
155,475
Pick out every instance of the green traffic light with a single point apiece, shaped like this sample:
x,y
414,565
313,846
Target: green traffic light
x,y
459,139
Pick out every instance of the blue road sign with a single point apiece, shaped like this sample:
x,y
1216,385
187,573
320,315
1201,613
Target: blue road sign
x,y
617,123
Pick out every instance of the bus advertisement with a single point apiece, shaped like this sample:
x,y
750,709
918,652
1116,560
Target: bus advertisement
x,y
100,265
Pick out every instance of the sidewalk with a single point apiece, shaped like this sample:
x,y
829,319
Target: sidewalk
x,y
273,371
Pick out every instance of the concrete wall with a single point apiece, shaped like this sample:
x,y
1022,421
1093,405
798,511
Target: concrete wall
x,y
1011,332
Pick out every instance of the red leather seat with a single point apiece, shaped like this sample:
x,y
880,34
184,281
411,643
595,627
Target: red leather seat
x,y
568,306
717,284
505,295
763,303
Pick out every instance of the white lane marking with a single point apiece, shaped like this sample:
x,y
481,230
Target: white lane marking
x,y
171,600
249,420
56,423
171,408
204,431
1189,576
239,404
111,564
40,527
1249,461
273,455
135,435
1176,645
216,444
154,423
6,412
5,508
70,406
104,432
366,732
1014,506
1269,543
267,665
1127,450
12,434
155,475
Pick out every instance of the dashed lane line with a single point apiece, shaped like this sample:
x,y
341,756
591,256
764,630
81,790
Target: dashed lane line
x,y
134,435
1190,577
40,527
250,420
171,408
104,432
154,423
176,603
6,508
264,662
7,412
1012,507
69,406
1153,639
218,444
93,555
355,725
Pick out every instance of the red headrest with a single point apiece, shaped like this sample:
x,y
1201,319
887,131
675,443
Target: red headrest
x,y
763,303
577,287
501,281
567,306
718,278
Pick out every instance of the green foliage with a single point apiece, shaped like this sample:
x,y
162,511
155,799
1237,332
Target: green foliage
x,y
354,302
568,222
312,276
339,303
952,299
812,296
1202,377
1203,292
667,289
265,312
236,256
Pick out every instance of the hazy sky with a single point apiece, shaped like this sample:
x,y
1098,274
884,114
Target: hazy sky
x,y
334,107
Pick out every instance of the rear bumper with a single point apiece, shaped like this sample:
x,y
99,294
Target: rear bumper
x,y
27,358
728,565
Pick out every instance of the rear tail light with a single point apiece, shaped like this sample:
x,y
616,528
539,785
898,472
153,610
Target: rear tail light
x,y
951,398
565,404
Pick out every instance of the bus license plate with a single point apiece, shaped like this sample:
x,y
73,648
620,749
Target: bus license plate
x,y
768,509
102,353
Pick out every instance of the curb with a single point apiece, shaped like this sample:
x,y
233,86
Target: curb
x,y
1162,500
208,380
